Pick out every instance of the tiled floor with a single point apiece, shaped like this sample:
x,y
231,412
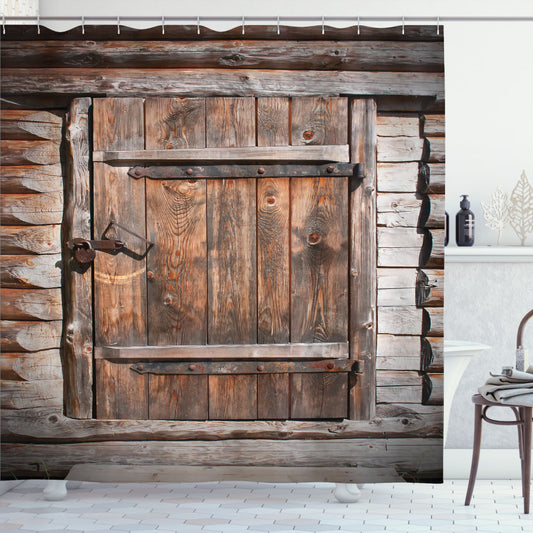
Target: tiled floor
x,y
263,507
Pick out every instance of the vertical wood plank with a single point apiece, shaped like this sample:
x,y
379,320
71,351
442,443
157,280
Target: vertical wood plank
x,y
175,223
272,121
363,282
273,396
77,340
319,395
233,397
230,122
178,397
121,393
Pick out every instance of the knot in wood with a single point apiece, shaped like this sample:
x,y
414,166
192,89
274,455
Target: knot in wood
x,y
150,274
368,325
308,135
313,238
271,200
53,419
405,421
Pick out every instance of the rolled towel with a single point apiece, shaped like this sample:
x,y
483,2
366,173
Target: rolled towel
x,y
511,387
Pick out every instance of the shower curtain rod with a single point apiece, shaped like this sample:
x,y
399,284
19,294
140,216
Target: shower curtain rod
x,y
273,19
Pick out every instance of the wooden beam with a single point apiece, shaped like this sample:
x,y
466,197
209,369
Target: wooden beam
x,y
436,149
397,177
31,209
432,354
29,124
433,325
434,125
410,210
31,179
337,153
432,178
202,82
30,336
397,126
430,288
332,350
20,366
30,271
77,341
30,394
399,149
362,256
30,239
29,152
326,55
243,171
30,304
433,389
418,457
399,352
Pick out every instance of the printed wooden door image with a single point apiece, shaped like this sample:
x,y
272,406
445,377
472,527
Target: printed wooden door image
x,y
231,297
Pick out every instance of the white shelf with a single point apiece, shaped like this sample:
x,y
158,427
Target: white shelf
x,y
489,254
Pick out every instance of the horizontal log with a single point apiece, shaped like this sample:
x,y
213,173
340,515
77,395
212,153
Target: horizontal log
x,y
242,171
432,354
250,153
433,256
31,178
396,278
398,378
408,411
410,247
36,101
398,177
30,271
433,392
30,394
30,240
403,320
29,152
197,474
332,350
432,178
399,394
436,149
434,125
433,322
410,210
30,124
398,352
397,126
396,297
21,366
417,457
246,367
207,82
31,209
30,336
399,149
30,304
409,104
51,426
326,55
430,288
102,32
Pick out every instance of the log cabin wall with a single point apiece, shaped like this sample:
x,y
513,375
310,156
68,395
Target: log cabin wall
x,y
44,133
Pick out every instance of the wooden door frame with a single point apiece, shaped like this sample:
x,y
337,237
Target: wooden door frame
x,y
77,341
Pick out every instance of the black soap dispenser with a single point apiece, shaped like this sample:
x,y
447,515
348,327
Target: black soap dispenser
x,y
464,224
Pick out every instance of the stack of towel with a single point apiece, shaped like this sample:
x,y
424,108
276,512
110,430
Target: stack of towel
x,y
510,387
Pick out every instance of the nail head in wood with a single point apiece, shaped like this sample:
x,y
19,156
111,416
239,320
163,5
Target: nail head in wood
x,y
330,169
192,367
261,170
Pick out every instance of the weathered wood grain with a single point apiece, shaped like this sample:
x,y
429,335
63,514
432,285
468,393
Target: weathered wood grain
x,y
328,55
436,148
29,152
31,209
120,392
433,391
333,350
30,271
433,322
410,210
396,378
49,425
362,265
31,304
176,223
397,177
31,179
434,125
273,121
399,352
233,397
77,340
432,354
433,256
397,126
16,240
404,320
396,278
30,394
120,280
29,124
21,366
273,260
399,149
396,297
430,288
319,395
410,247
234,82
399,394
30,336
432,178
177,397
273,395
416,458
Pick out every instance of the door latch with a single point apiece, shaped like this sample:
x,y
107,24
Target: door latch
x,y
85,249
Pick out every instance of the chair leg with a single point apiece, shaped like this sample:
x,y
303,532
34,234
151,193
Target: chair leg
x,y
475,453
526,474
520,426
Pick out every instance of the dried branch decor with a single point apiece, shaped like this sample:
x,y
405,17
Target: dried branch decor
x,y
496,213
521,208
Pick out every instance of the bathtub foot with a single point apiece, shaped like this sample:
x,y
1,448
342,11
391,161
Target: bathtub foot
x,y
55,490
347,492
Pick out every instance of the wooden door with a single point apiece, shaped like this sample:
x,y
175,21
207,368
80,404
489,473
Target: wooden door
x,y
239,309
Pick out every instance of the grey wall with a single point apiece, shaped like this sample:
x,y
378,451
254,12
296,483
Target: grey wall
x,y
484,302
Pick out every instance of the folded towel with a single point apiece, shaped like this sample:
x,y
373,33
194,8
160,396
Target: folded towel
x,y
511,387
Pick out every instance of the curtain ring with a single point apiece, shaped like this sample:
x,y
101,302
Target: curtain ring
x,y
438,29
358,27
162,24
243,24
82,25
198,25
323,28
403,25
38,25
278,24
118,25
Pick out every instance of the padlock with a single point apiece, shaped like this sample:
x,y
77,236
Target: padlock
x,y
84,252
